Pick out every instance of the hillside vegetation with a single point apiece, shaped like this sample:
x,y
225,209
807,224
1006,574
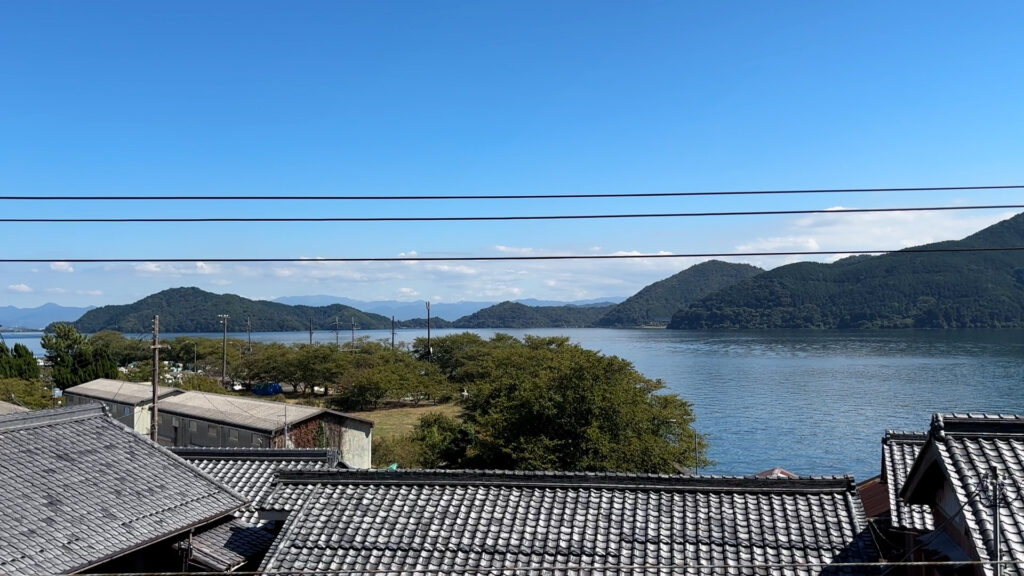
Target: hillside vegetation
x,y
656,303
516,315
983,289
195,310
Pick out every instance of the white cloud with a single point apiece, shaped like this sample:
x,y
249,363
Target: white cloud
x,y
408,293
175,269
21,288
61,267
56,291
515,250
89,292
864,232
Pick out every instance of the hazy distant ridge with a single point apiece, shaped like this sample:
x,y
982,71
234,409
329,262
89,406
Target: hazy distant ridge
x,y
40,316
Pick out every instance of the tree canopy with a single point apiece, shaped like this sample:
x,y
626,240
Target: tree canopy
x,y
547,404
73,357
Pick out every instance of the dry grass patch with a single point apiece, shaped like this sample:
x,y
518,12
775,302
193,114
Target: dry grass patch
x,y
395,422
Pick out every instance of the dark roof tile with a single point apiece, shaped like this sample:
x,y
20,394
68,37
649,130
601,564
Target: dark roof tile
x,y
404,520
80,488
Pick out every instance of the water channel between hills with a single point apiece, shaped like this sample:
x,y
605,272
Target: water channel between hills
x,y
810,402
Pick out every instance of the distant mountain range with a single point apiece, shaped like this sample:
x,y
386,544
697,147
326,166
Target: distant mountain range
x,y
12,318
949,284
943,285
418,309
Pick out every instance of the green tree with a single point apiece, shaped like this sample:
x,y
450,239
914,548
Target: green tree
x,y
442,441
121,350
73,359
24,363
31,394
547,404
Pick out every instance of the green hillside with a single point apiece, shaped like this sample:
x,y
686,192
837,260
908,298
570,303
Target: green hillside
x,y
896,290
516,315
195,310
656,303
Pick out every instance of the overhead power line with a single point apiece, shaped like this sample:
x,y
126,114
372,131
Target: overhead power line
x,y
508,218
506,258
517,196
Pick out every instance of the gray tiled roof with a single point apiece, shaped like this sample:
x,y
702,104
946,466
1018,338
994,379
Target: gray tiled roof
x,y
899,450
251,471
230,545
79,488
121,391
966,447
8,408
472,520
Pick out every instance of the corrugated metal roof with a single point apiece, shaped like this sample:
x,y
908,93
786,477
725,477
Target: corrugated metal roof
x,y
8,408
121,391
261,415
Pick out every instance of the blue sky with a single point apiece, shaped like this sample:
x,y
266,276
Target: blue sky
x,y
446,98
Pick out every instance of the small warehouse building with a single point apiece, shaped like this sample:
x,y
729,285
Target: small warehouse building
x,y
130,403
199,419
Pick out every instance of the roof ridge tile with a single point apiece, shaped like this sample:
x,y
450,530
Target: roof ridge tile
x,y
19,420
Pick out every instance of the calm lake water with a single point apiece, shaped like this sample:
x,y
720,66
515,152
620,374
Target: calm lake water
x,y
811,402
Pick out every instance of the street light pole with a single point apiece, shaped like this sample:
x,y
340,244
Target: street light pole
x,y
224,351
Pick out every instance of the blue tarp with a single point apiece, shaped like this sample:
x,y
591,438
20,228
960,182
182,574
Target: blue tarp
x,y
267,389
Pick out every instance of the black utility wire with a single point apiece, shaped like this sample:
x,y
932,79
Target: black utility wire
x,y
505,218
524,196
508,258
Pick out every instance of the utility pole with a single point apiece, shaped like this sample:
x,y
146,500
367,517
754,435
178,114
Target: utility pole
x,y
154,422
248,328
337,324
430,350
224,351
310,329
392,333
353,330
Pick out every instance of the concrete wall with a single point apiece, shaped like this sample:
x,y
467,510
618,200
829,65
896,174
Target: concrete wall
x,y
352,438
356,443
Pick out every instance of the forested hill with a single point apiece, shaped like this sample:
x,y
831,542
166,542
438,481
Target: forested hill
x,y
896,290
656,303
515,315
195,310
